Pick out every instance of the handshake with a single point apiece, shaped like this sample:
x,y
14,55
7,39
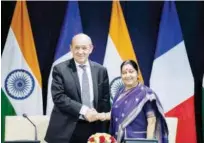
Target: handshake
x,y
92,115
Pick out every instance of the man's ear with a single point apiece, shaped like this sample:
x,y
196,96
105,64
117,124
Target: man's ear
x,y
70,47
91,48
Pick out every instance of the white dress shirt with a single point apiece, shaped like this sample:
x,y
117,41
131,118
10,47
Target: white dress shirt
x,y
80,73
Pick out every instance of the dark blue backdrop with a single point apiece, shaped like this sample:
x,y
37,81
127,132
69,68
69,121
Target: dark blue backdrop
x,y
142,19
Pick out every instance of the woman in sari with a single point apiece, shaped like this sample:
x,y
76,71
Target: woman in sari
x,y
136,111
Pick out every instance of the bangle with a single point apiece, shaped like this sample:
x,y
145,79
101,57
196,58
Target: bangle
x,y
107,116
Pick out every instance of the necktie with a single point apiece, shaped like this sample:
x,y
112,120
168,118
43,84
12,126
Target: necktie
x,y
85,94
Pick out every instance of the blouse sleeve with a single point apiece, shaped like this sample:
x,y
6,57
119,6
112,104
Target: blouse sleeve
x,y
149,110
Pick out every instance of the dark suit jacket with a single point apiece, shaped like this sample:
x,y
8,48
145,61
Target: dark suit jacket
x,y
66,96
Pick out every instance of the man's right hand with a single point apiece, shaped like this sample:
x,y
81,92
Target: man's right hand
x,y
91,115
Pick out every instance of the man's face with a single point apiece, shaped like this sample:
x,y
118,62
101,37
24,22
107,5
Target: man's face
x,y
81,48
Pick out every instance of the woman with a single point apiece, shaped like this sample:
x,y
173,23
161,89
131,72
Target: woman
x,y
136,111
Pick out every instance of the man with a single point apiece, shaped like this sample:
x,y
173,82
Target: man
x,y
80,90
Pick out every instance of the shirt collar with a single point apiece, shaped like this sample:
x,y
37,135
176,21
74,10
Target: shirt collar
x,y
87,63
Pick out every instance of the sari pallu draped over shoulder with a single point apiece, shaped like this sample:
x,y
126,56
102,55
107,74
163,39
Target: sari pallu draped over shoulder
x,y
132,103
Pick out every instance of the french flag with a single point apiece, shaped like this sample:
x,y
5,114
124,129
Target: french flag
x,y
171,76
71,26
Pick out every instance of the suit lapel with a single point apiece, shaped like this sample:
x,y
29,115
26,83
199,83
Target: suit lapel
x,y
74,73
95,83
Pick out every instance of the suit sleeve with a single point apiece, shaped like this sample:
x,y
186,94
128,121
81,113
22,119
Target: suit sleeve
x,y
105,101
60,99
106,93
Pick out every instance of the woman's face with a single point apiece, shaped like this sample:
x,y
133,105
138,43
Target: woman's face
x,y
129,75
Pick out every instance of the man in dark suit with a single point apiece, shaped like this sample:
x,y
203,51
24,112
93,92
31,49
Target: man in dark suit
x,y
80,90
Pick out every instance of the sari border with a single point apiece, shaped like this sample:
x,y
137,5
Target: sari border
x,y
132,115
130,118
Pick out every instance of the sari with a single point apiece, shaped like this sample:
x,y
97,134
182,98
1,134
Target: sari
x,y
130,111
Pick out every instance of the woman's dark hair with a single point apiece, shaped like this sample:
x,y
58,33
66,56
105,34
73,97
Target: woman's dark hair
x,y
131,62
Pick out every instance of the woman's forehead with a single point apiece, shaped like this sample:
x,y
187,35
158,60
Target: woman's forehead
x,y
127,67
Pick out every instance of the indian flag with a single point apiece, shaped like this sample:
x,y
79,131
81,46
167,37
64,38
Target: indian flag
x,y
119,45
171,76
20,75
